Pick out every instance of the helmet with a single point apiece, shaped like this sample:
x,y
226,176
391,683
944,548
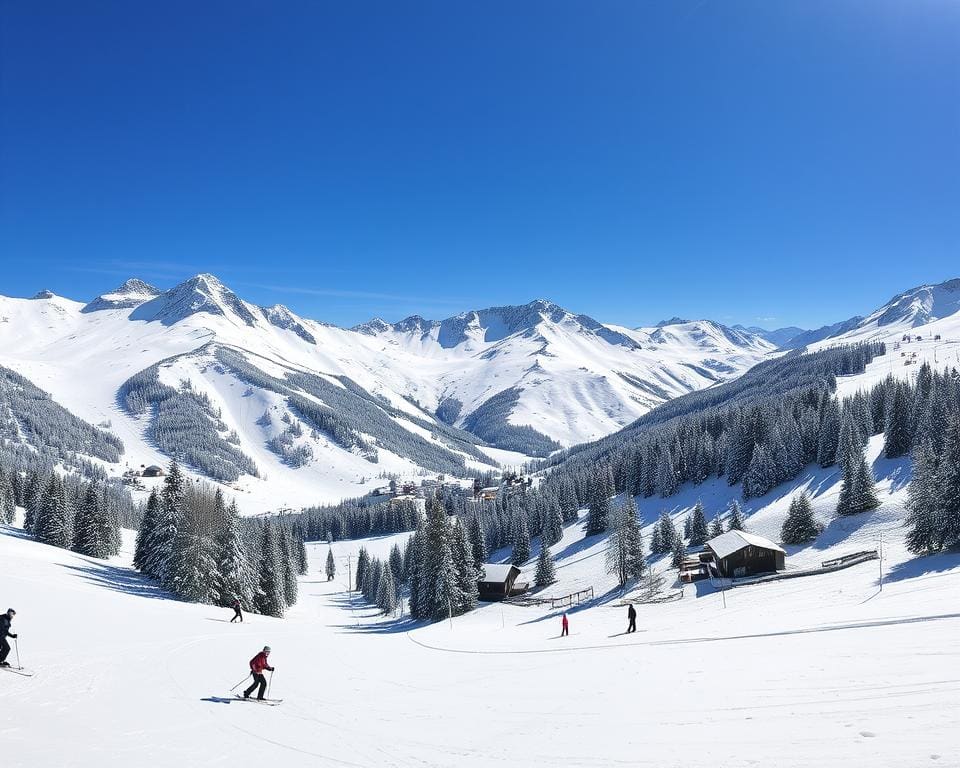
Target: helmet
x,y
266,648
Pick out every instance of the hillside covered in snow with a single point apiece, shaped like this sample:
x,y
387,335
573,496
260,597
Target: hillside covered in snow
x,y
291,411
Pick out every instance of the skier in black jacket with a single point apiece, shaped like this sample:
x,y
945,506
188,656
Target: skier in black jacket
x,y
632,617
5,632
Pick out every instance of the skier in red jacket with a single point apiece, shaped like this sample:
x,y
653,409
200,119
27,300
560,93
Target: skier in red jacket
x,y
257,664
565,626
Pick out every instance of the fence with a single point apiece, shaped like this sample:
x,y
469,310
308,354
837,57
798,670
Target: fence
x,y
574,598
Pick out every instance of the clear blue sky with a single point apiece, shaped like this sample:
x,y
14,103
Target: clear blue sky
x,y
757,162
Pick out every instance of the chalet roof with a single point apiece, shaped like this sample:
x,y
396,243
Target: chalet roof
x,y
497,572
733,541
154,467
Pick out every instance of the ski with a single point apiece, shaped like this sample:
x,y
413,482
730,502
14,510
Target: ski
x,y
17,671
268,702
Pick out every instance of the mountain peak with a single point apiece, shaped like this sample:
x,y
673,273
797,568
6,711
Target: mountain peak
x,y
44,294
672,321
202,293
131,293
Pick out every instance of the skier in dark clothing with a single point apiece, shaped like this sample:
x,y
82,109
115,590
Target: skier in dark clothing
x,y
632,616
257,664
236,612
5,632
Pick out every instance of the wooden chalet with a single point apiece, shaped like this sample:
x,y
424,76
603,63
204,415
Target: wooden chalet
x,y
499,581
737,554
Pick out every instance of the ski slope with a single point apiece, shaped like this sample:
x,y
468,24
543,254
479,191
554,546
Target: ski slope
x,y
826,670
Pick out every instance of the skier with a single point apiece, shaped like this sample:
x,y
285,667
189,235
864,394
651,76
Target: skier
x,y
236,611
5,632
566,626
632,616
257,664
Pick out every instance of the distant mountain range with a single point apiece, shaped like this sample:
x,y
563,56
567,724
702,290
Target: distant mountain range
x,y
296,411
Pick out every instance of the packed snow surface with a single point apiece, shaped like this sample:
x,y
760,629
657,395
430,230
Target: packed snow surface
x,y
827,670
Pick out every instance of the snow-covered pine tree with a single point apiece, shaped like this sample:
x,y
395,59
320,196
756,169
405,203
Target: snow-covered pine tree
x,y
897,432
467,591
439,577
656,541
800,525
552,520
8,503
948,518
698,526
148,524
269,597
668,532
331,566
601,489
235,577
191,569
91,530
857,491
521,540
829,433
679,552
923,501
735,522
478,542
624,555
32,501
569,505
687,527
53,523
172,511
386,592
363,561
414,567
545,573
716,527
396,564
288,563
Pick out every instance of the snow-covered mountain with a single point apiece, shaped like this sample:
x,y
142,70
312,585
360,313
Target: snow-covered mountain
x,y
925,310
293,411
563,375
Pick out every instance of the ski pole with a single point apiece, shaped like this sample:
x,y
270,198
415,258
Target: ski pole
x,y
269,683
240,683
16,646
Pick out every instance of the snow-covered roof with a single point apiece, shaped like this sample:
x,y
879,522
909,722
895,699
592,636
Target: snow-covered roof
x,y
496,571
733,541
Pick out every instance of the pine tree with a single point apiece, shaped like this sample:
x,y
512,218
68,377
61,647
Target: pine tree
x,y
948,483
923,501
668,532
33,498
172,510
698,526
656,541
478,543
800,525
438,582
897,433
552,521
269,597
8,502
148,524
857,492
467,594
91,528
52,525
288,565
679,552
386,592
545,573
624,555
716,527
735,522
235,578
601,489
521,540
331,567
363,560
396,564
829,434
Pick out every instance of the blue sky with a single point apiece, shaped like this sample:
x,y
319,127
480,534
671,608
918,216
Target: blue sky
x,y
757,162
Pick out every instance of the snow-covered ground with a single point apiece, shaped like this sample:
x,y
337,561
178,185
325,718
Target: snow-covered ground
x,y
827,670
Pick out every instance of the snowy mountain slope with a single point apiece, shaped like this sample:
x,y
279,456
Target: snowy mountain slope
x,y
779,337
918,308
826,670
524,379
566,376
